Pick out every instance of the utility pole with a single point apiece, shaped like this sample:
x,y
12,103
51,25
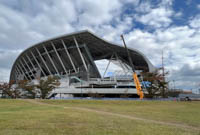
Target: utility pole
x,y
163,69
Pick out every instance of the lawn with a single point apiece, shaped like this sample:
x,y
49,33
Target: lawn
x,y
53,117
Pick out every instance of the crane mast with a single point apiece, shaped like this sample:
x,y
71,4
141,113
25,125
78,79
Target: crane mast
x,y
135,77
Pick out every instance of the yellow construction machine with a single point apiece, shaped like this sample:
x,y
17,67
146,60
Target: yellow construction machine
x,y
135,77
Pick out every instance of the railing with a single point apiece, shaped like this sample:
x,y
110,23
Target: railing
x,y
102,80
69,72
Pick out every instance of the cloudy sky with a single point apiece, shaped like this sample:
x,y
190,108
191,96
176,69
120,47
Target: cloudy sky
x,y
148,25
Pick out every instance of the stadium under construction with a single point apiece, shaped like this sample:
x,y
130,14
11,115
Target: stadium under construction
x,y
72,57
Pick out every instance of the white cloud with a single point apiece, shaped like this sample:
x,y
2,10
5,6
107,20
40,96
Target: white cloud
x,y
51,18
4,74
97,12
198,6
188,2
195,22
7,58
158,17
178,14
155,15
144,7
187,76
180,45
23,24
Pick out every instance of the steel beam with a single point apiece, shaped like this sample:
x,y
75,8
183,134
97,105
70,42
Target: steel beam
x,y
50,59
107,66
125,63
16,71
66,50
28,66
16,68
43,61
73,47
20,69
33,67
25,69
118,60
59,57
91,59
80,54
16,74
37,63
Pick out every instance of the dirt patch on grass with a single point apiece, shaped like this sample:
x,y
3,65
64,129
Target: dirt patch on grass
x,y
183,126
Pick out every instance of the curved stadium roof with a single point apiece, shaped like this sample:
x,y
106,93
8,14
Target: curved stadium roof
x,y
73,53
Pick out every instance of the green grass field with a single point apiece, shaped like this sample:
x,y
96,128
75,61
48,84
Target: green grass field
x,y
96,117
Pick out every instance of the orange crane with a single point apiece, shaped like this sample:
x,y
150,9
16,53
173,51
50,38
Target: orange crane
x,y
135,77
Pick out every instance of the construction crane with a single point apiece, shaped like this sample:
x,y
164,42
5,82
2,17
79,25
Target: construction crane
x,y
135,77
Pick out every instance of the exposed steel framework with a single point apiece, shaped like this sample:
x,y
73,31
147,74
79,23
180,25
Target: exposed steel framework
x,y
72,54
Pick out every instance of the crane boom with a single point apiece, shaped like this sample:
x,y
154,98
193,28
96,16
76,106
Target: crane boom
x,y
135,77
